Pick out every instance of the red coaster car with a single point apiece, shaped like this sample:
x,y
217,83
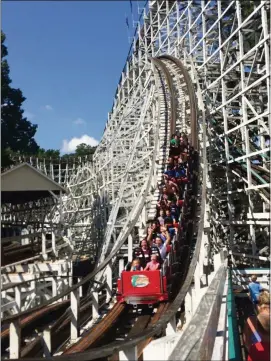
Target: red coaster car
x,y
142,287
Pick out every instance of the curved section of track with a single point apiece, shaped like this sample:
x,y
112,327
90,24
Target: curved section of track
x,y
192,243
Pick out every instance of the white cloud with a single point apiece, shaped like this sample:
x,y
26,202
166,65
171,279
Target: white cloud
x,y
48,107
28,115
69,146
79,121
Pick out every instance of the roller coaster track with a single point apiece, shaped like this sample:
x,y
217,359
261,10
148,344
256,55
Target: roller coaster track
x,y
197,229
235,112
230,104
107,322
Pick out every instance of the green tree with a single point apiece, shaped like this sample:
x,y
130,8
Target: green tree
x,y
17,132
84,149
49,153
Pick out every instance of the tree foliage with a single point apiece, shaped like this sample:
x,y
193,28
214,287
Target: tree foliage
x,y
49,153
84,149
17,132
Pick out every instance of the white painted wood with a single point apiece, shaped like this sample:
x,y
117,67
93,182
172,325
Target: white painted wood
x,y
95,305
109,284
47,342
43,246
74,314
171,326
8,306
18,298
130,248
14,340
121,265
129,354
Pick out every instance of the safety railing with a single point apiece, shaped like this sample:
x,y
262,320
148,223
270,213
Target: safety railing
x,y
39,239
234,346
197,341
20,296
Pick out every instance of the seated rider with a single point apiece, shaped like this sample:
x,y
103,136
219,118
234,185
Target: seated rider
x,y
162,242
257,331
180,171
170,172
155,250
174,210
145,249
136,265
175,141
254,289
169,184
153,265
161,217
169,221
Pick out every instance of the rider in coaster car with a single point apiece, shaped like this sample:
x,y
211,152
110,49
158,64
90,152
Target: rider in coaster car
x,y
254,289
152,231
162,241
137,254
181,168
256,334
175,145
169,221
163,202
174,196
170,172
184,148
145,249
175,141
153,265
174,210
136,265
161,217
170,161
168,184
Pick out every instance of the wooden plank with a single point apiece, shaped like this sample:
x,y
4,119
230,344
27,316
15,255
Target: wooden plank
x,y
8,306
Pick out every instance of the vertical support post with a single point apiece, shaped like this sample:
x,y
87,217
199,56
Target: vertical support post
x,y
95,305
188,305
129,354
121,265
14,339
43,246
130,248
70,238
109,282
60,208
65,280
60,280
70,274
47,342
59,172
18,298
226,128
80,288
55,252
54,286
74,314
35,292
171,326
217,261
197,278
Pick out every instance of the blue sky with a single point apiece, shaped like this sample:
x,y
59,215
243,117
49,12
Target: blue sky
x,y
67,58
